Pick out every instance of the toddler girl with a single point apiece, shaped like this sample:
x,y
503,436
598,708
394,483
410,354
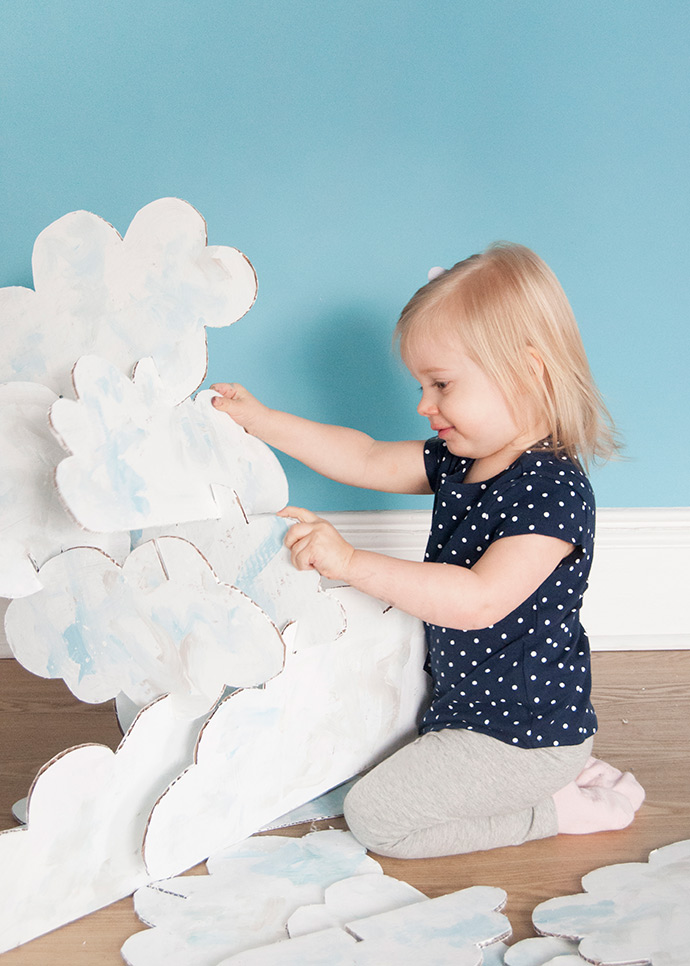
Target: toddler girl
x,y
504,752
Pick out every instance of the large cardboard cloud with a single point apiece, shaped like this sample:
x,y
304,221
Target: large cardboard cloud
x,y
140,460
87,812
635,912
334,711
162,623
151,293
33,522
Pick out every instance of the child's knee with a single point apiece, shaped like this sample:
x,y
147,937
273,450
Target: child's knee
x,y
370,821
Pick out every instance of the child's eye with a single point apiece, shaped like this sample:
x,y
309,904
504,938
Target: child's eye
x,y
440,385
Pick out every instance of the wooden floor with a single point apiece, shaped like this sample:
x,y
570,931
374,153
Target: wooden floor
x,y
643,703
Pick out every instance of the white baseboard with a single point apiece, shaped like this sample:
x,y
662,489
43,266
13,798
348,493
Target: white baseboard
x,y
639,581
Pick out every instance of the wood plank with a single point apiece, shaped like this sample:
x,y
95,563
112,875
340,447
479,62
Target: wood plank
x,y
643,703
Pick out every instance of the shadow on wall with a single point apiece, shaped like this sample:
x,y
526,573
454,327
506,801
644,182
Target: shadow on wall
x,y
356,378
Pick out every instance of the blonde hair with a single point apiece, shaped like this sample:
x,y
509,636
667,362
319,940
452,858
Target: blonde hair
x,y
507,307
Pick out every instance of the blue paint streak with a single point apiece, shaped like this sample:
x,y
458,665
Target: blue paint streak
x,y
261,557
301,867
78,651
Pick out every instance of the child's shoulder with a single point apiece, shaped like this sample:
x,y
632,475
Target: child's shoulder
x,y
555,472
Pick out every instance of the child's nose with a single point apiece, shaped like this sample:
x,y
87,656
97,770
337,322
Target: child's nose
x,y
427,407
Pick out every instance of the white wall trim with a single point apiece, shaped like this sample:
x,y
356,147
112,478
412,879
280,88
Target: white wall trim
x,y
639,581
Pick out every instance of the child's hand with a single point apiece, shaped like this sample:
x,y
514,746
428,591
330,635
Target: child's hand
x,y
239,404
316,545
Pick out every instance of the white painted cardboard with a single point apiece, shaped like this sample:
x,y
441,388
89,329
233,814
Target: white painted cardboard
x,y
451,930
87,811
544,951
33,524
334,711
630,913
245,901
160,624
139,459
325,806
152,293
249,552
350,899
332,946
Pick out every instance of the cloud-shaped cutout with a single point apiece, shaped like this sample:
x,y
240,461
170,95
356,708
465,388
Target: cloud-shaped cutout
x,y
634,912
326,894
87,812
151,293
250,553
245,901
33,522
140,459
265,752
451,930
162,623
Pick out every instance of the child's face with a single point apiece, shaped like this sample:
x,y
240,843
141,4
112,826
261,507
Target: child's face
x,y
464,406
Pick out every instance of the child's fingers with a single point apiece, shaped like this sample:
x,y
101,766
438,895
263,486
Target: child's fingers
x,y
299,513
229,390
297,533
301,554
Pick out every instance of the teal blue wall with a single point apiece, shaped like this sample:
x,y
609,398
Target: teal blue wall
x,y
348,145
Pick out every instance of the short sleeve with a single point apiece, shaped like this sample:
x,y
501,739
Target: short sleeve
x,y
439,462
556,504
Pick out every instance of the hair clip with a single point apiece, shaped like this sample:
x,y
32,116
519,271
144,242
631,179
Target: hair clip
x,y
436,272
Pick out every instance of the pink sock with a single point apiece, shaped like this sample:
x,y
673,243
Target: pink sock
x,y
601,798
599,774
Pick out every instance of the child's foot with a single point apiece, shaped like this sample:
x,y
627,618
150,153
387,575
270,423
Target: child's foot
x,y
581,811
601,798
599,774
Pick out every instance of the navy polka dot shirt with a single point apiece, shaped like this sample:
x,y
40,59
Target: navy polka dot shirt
x,y
525,680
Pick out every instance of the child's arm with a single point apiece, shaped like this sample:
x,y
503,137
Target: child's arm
x,y
448,595
341,454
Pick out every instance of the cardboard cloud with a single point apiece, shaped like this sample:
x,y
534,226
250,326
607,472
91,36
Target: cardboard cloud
x,y
33,523
250,553
635,912
162,623
322,891
245,901
87,813
333,711
151,293
451,930
140,460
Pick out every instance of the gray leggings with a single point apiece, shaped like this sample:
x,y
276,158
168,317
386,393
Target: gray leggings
x,y
456,791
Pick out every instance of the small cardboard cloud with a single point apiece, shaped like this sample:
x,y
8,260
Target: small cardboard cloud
x,y
151,293
246,900
33,523
250,553
87,811
139,459
162,623
635,912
